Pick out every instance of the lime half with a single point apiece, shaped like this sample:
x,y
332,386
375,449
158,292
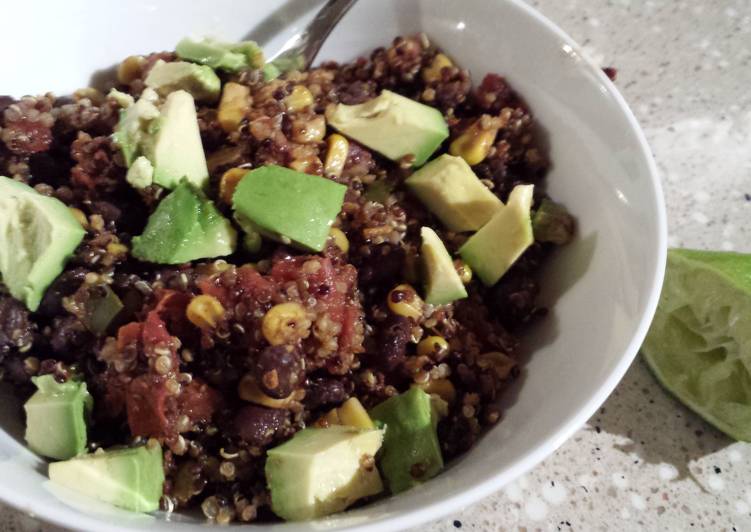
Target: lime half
x,y
699,344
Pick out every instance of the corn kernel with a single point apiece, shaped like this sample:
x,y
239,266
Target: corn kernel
x,y
434,347
443,388
433,72
233,106
351,413
404,301
309,131
330,419
204,311
500,363
340,239
116,248
249,391
79,216
298,99
464,271
228,183
474,144
336,155
285,323
130,69
305,166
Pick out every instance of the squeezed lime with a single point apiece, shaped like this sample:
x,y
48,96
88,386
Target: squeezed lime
x,y
699,344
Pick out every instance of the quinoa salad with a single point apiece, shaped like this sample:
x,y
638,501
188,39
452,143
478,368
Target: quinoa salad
x,y
268,295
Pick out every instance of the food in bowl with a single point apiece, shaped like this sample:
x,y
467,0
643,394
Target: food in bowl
x,y
263,294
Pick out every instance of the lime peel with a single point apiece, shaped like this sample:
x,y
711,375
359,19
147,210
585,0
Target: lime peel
x,y
699,344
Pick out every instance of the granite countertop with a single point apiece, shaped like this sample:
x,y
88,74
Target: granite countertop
x,y
644,462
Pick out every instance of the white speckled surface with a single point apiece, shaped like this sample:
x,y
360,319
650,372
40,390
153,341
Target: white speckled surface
x,y
644,462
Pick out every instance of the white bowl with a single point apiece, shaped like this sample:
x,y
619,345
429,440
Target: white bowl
x,y
606,283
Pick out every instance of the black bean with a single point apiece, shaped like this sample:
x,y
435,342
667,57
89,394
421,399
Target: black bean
x,y
279,370
513,299
383,267
65,285
324,391
16,330
5,102
107,210
68,336
393,336
258,425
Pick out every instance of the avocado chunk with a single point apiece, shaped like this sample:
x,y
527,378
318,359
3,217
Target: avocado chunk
x,y
177,148
392,125
323,471
552,223
252,240
411,452
100,310
442,282
289,206
493,249
450,189
38,234
162,145
131,131
230,57
130,478
185,226
141,173
199,80
271,71
56,417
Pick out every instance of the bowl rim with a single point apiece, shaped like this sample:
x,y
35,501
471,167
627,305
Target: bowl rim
x,y
542,449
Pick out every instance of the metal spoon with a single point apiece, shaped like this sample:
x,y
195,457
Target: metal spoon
x,y
300,50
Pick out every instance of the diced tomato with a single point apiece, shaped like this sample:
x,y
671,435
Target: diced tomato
x,y
171,308
129,334
152,412
146,406
155,330
253,285
198,401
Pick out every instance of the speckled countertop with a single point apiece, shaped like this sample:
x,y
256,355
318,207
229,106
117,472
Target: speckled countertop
x,y
644,462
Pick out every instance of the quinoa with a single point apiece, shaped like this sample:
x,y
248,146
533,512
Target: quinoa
x,y
344,340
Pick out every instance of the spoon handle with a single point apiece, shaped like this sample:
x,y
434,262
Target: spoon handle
x,y
300,51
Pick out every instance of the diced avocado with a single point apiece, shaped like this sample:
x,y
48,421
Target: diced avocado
x,y
123,99
185,226
494,248
101,309
252,240
230,57
379,191
392,125
411,451
56,417
322,471
199,80
289,206
37,236
442,282
141,173
131,478
552,223
177,151
270,71
134,121
162,145
450,189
